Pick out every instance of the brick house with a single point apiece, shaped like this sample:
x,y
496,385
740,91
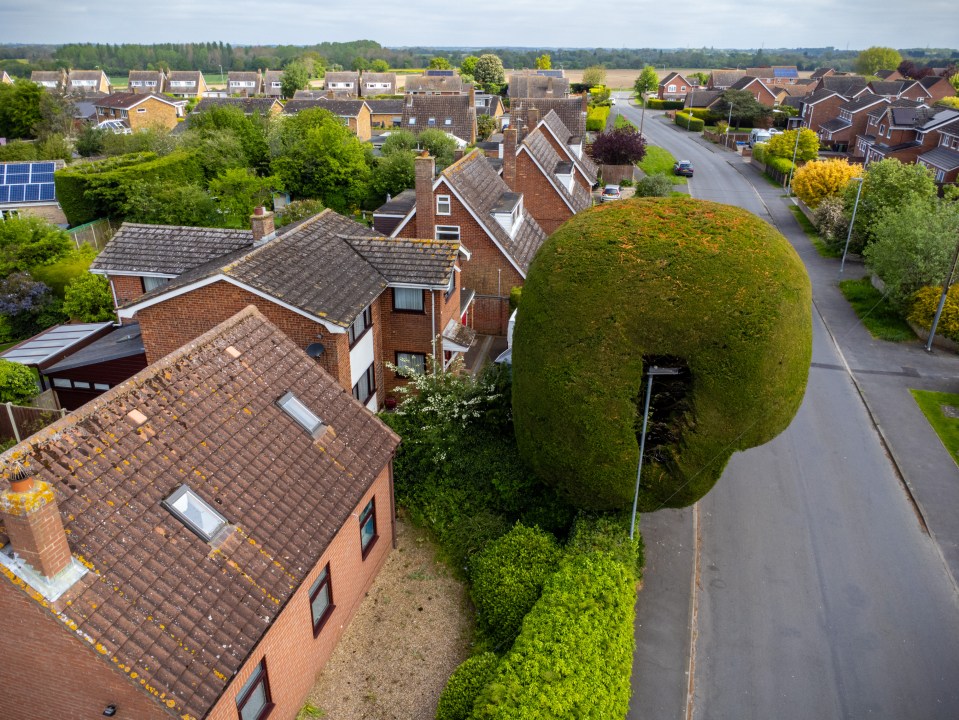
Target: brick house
x,y
343,83
757,88
724,79
385,113
453,114
906,133
702,98
492,105
875,128
28,189
527,112
87,82
244,83
186,84
890,75
943,160
819,108
137,111
469,203
372,83
273,83
936,88
146,81
364,301
674,87
194,542
839,134
775,75
532,85
436,85
355,114
849,86
249,105
49,79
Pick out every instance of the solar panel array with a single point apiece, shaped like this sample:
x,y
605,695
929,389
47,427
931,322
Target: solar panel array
x,y
27,182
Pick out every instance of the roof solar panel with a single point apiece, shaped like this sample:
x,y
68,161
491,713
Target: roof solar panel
x,y
48,192
4,194
18,168
17,178
31,193
27,182
44,167
41,177
17,192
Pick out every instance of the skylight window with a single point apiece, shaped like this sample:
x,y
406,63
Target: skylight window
x,y
306,418
194,512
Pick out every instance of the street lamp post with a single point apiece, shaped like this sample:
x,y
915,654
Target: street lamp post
x,y
795,152
642,120
652,372
942,300
729,120
851,223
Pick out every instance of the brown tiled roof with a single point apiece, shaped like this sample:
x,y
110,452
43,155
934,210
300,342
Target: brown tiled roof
x,y
454,114
250,105
931,80
549,160
862,102
39,76
436,83
950,129
569,110
86,75
127,100
167,249
725,78
886,74
480,187
340,108
185,75
145,75
373,77
822,72
271,76
413,262
537,86
385,107
346,76
243,76
181,613
846,85
562,133
702,98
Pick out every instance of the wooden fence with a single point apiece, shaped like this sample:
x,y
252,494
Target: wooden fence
x,y
95,234
19,422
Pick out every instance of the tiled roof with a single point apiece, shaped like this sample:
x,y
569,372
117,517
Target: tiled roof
x,y
835,125
271,76
413,262
942,158
167,249
436,83
181,613
898,103
569,110
890,87
342,77
846,85
144,75
474,179
547,157
670,77
744,82
128,100
931,80
340,108
248,105
862,102
373,77
794,101
86,75
458,334
399,205
950,129
454,114
930,118
243,76
819,96
537,86
886,74
385,107
702,98
725,78
583,161
822,72
185,75
46,76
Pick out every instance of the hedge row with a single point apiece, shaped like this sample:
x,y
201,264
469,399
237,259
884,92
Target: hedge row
x,y
573,657
88,191
596,118
693,124
657,104
465,685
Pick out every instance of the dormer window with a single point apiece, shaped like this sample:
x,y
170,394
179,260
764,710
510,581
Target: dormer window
x,y
194,512
411,121
305,418
508,211
448,121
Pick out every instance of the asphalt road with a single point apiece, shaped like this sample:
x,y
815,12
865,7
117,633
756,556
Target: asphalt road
x,y
819,595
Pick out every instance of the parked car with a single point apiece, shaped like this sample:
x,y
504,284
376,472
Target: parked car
x,y
683,167
611,192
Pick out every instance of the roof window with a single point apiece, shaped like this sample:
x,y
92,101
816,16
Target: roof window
x,y
194,512
306,418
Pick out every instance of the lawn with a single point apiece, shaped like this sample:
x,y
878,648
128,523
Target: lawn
x,y
947,428
660,162
827,251
875,312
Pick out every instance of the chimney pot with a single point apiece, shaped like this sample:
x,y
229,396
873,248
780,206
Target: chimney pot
x,y
262,225
509,157
32,521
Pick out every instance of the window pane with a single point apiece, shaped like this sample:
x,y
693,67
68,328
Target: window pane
x,y
411,362
151,283
408,299
61,383
448,232
255,703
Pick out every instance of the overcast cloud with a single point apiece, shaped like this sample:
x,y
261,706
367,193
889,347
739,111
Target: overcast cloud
x,y
855,24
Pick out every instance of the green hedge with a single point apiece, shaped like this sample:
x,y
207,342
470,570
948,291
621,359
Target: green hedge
x,y
686,121
464,685
657,104
609,534
574,655
780,164
507,579
596,118
89,191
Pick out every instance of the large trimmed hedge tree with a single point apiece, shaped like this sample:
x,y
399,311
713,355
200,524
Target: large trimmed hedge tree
x,y
706,287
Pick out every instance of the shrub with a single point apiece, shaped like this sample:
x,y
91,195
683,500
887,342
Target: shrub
x,y
784,144
580,356
831,221
515,297
815,181
608,534
87,298
464,685
18,151
656,104
620,146
687,121
759,152
58,275
299,210
26,242
924,305
507,579
654,186
596,118
574,655
779,164
17,385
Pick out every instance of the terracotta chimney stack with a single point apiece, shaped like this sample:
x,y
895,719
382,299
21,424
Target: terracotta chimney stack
x,y
509,157
425,209
262,223
32,520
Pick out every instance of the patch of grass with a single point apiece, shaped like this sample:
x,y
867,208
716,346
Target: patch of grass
x,y
875,312
827,251
659,161
621,122
947,428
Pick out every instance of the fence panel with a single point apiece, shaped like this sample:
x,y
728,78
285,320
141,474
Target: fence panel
x,y
96,234
18,422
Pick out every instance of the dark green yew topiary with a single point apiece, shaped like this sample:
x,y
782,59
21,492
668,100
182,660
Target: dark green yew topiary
x,y
676,282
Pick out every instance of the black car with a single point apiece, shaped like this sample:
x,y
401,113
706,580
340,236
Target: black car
x,y
683,167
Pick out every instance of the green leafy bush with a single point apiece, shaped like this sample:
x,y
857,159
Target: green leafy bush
x,y
87,298
574,655
26,242
57,275
515,297
687,121
17,385
609,534
926,302
779,164
597,117
507,579
654,186
657,104
464,685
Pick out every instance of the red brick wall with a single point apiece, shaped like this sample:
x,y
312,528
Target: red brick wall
x,y
172,323
48,671
293,655
824,111
127,288
539,197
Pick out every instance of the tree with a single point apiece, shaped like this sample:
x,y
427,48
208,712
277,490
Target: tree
x,y
954,81
439,63
647,81
27,305
19,108
887,185
26,242
952,102
90,141
56,116
439,144
392,174
485,126
874,59
252,133
913,246
489,70
620,146
295,77
594,75
744,107
239,191
380,66
817,180
88,299
399,140
784,145
468,65
169,203
703,77
544,62
17,385
360,64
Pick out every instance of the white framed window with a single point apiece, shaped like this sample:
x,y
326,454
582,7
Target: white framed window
x,y
366,386
362,323
448,121
408,299
443,205
882,129
448,232
671,88
306,418
194,512
431,122
151,83
152,283
411,121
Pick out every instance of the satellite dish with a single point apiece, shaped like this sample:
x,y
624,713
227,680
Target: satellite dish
x,y
314,350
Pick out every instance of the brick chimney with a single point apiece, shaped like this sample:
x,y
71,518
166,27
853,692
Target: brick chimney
x,y
585,97
509,157
262,223
549,86
32,520
425,208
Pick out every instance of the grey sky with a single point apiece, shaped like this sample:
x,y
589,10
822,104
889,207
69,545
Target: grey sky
x,y
855,24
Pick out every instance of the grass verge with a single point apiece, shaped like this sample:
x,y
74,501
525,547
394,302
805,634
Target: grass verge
x,y
822,248
659,161
875,312
947,428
